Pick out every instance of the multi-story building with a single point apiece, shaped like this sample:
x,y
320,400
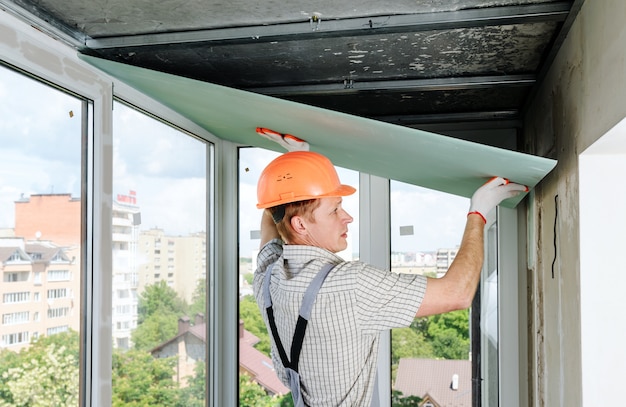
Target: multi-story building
x,y
56,218
40,263
126,219
180,261
445,257
39,291
52,217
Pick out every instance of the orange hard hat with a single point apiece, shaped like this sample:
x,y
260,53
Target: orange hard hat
x,y
298,176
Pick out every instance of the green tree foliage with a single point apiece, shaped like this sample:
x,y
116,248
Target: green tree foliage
x,y
159,298
142,380
407,343
253,322
398,400
251,394
194,394
198,301
449,334
154,330
42,375
159,309
46,374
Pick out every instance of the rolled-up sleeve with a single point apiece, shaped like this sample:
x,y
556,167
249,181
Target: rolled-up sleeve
x,y
388,300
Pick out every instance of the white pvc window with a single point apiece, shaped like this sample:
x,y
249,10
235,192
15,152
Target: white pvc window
x,y
160,197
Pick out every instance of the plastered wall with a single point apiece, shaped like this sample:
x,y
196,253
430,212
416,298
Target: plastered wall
x,y
583,96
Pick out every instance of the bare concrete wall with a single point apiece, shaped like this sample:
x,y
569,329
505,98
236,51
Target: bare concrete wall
x,y
583,96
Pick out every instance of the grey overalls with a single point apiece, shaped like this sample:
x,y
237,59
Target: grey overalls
x,y
291,367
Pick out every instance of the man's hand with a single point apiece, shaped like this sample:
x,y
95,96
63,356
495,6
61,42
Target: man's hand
x,y
494,191
287,141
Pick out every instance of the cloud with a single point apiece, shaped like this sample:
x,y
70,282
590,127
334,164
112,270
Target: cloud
x,y
36,119
144,145
438,219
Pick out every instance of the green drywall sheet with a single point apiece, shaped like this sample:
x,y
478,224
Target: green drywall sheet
x,y
408,155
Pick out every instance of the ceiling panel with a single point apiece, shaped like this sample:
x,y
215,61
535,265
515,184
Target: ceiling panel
x,y
391,151
409,62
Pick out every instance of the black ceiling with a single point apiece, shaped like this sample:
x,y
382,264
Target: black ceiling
x,y
416,63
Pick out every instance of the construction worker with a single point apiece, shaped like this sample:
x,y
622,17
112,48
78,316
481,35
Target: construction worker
x,y
325,315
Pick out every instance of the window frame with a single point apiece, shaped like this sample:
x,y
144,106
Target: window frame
x,y
54,63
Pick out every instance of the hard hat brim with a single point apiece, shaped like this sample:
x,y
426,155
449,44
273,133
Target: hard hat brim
x,y
342,190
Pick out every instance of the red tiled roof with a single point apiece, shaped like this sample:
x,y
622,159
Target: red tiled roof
x,y
259,366
421,377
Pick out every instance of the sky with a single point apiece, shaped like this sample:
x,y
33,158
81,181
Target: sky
x,y
40,138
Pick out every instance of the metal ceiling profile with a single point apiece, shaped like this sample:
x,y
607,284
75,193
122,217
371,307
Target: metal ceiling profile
x,y
409,62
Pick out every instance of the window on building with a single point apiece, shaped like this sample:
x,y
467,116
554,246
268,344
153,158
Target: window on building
x,y
57,293
15,318
57,330
58,312
17,297
16,277
58,275
18,338
160,195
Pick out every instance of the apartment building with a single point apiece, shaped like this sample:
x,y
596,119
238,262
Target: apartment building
x,y
444,259
126,221
180,261
40,291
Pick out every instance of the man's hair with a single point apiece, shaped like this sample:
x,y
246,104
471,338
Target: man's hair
x,y
300,208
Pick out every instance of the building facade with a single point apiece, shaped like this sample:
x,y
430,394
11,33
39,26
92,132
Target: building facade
x,y
40,291
180,261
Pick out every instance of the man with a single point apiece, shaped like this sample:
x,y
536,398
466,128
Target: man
x,y
325,343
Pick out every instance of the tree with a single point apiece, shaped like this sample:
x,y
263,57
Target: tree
x,y
407,343
159,309
253,322
161,298
398,400
449,334
42,375
198,301
154,330
141,380
194,394
251,394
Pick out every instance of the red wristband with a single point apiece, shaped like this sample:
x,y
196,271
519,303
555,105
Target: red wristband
x,y
479,214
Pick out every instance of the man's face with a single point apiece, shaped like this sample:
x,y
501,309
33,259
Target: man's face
x,y
329,229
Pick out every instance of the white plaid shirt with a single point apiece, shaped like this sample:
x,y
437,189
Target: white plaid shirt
x,y
356,302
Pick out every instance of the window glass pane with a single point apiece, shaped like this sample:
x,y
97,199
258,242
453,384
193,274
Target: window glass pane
x,y
431,358
40,241
159,262
258,384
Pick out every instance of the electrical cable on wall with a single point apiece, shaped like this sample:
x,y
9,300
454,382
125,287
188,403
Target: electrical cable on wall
x,y
556,216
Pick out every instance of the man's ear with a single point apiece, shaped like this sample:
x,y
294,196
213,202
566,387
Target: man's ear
x,y
298,225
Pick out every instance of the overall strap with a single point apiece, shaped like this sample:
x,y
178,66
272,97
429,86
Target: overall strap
x,y
303,318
